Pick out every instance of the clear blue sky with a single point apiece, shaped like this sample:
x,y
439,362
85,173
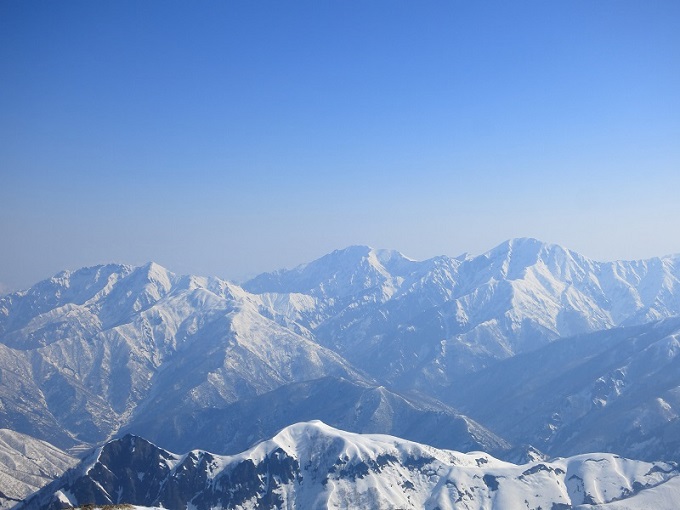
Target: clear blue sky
x,y
229,138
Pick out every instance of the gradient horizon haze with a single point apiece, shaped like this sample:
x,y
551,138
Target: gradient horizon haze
x,y
232,138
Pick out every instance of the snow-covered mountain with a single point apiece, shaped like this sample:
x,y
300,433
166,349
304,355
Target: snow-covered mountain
x,y
26,465
540,344
82,352
421,323
85,352
349,405
616,390
311,465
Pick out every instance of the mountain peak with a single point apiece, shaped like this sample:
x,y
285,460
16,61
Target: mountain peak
x,y
156,273
343,272
523,245
514,256
353,250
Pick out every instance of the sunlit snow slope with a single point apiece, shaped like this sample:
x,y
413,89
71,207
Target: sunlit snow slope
x,y
311,465
26,465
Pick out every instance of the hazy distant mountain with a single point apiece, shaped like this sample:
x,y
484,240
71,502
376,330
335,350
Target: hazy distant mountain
x,y
82,352
85,351
422,323
311,465
88,352
341,403
26,465
616,390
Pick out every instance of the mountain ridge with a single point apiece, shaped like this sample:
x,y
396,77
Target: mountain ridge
x,y
309,465
341,403
371,314
604,391
516,297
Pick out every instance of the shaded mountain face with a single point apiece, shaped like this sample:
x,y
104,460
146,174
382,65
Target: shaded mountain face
x,y
311,465
419,324
615,390
26,465
341,403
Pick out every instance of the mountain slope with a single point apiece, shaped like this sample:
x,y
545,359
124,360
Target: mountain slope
x,y
84,351
352,406
311,465
616,390
26,465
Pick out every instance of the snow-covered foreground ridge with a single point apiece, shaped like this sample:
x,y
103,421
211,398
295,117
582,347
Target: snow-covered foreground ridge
x,y
311,465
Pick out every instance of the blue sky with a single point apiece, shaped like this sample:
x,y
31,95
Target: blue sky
x,y
230,138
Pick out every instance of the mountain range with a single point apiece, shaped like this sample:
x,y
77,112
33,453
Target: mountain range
x,y
524,351
420,323
311,465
